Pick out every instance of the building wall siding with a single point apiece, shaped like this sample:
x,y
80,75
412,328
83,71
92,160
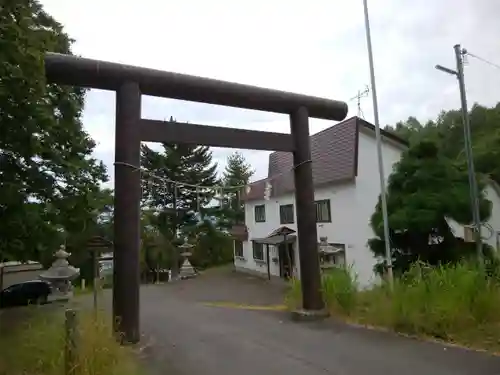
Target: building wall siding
x,y
352,205
492,235
367,193
491,232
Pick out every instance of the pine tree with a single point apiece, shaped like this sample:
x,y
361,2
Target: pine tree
x,y
237,173
424,189
192,165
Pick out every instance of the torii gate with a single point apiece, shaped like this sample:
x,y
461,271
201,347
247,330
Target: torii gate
x,y
130,83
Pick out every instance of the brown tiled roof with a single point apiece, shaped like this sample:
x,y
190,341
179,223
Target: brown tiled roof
x,y
334,155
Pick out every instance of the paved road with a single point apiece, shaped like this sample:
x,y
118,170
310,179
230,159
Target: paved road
x,y
187,337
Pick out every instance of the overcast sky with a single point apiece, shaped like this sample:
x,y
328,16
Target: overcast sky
x,y
254,42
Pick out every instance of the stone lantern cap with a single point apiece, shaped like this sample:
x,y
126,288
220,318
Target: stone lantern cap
x,y
62,253
60,270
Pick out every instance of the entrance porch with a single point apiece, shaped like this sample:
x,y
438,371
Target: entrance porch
x,y
280,252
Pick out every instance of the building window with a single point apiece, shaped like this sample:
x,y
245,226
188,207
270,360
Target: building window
x,y
323,211
286,214
238,249
258,251
334,258
260,213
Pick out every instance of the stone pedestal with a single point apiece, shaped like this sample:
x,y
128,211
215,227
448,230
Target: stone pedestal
x,y
187,270
302,315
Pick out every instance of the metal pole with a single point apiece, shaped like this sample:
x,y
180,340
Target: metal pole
x,y
474,191
175,251
268,263
388,255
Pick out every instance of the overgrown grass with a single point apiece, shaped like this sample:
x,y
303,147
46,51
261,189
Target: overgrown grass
x,y
78,291
457,303
340,291
37,347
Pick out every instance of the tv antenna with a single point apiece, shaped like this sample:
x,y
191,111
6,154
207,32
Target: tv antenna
x,y
358,97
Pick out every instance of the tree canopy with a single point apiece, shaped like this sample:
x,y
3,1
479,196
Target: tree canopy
x,y
50,184
191,165
237,173
49,181
430,185
180,208
448,133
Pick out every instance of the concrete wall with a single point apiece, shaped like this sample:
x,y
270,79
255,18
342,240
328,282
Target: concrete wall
x,y
14,273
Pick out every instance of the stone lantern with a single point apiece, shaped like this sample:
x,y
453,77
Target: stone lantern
x,y
187,271
60,274
325,251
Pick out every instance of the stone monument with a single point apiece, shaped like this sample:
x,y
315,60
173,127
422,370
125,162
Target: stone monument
x,y
60,275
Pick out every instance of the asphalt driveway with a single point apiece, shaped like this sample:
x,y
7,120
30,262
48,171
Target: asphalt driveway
x,y
184,335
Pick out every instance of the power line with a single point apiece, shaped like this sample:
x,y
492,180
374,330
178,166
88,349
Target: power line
x,y
486,61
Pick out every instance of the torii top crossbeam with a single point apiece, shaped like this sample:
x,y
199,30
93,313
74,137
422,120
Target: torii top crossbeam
x,y
83,72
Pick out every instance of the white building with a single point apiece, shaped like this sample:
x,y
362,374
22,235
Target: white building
x,y
490,231
347,187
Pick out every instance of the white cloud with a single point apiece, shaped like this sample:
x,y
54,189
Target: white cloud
x,y
316,47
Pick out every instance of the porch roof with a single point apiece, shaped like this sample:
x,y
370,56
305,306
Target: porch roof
x,y
276,240
281,231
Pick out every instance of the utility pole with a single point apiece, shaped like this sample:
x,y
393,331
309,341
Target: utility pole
x,y
473,188
388,254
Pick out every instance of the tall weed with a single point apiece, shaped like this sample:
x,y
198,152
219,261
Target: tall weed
x,y
441,301
38,348
293,296
339,289
459,302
